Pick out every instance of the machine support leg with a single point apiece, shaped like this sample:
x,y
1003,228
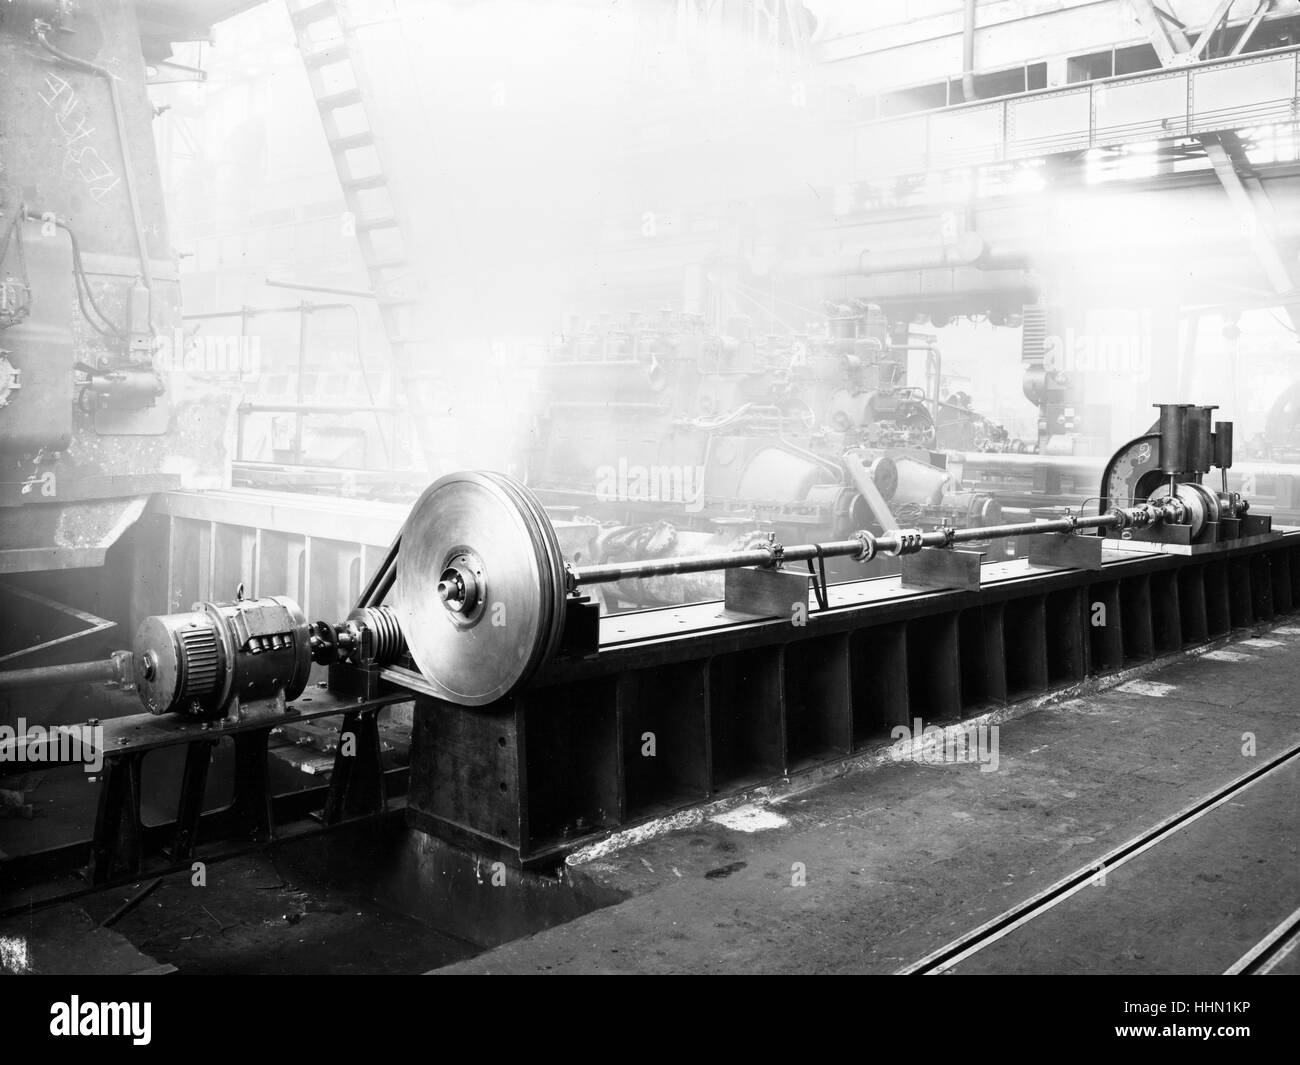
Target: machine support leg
x,y
249,812
942,568
357,783
116,848
194,782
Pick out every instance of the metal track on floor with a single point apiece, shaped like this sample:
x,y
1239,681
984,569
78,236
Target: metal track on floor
x,y
972,942
1265,955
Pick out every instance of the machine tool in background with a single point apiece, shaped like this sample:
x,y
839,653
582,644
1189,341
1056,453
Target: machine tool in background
x,y
677,438
1053,381
94,418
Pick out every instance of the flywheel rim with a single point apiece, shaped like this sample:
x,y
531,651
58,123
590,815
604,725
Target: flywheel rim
x,y
479,656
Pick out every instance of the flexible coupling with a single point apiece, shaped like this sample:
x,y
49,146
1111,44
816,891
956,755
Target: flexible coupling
x,y
868,542
908,541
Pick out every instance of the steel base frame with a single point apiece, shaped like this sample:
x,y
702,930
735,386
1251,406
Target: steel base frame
x,y
663,720
124,849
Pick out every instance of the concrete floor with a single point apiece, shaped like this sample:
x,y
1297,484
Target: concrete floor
x,y
901,859
254,916
865,869
1194,903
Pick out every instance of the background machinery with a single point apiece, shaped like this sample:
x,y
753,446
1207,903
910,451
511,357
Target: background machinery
x,y
676,438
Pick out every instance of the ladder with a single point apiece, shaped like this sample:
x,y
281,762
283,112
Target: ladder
x,y
347,113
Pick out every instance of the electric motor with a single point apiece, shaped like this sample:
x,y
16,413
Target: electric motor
x,y
217,656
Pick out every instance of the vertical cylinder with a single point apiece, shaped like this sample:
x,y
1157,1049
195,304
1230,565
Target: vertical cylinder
x,y
1173,437
137,308
968,53
1200,446
1223,445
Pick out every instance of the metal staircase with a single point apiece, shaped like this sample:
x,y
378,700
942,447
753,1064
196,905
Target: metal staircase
x,y
375,216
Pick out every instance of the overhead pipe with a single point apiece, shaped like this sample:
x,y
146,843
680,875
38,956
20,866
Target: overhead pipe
x,y
253,312
357,293
970,249
968,53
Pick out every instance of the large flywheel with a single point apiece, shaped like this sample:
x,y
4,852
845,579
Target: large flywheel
x,y
480,586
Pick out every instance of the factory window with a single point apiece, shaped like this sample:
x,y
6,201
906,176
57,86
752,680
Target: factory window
x,y
1141,57
1273,144
201,291
908,101
207,253
311,241
1284,33
1112,62
1002,83
1090,67
330,209
258,247
944,94
1136,59
283,244
231,252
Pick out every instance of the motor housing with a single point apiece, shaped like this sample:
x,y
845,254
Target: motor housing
x,y
218,657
